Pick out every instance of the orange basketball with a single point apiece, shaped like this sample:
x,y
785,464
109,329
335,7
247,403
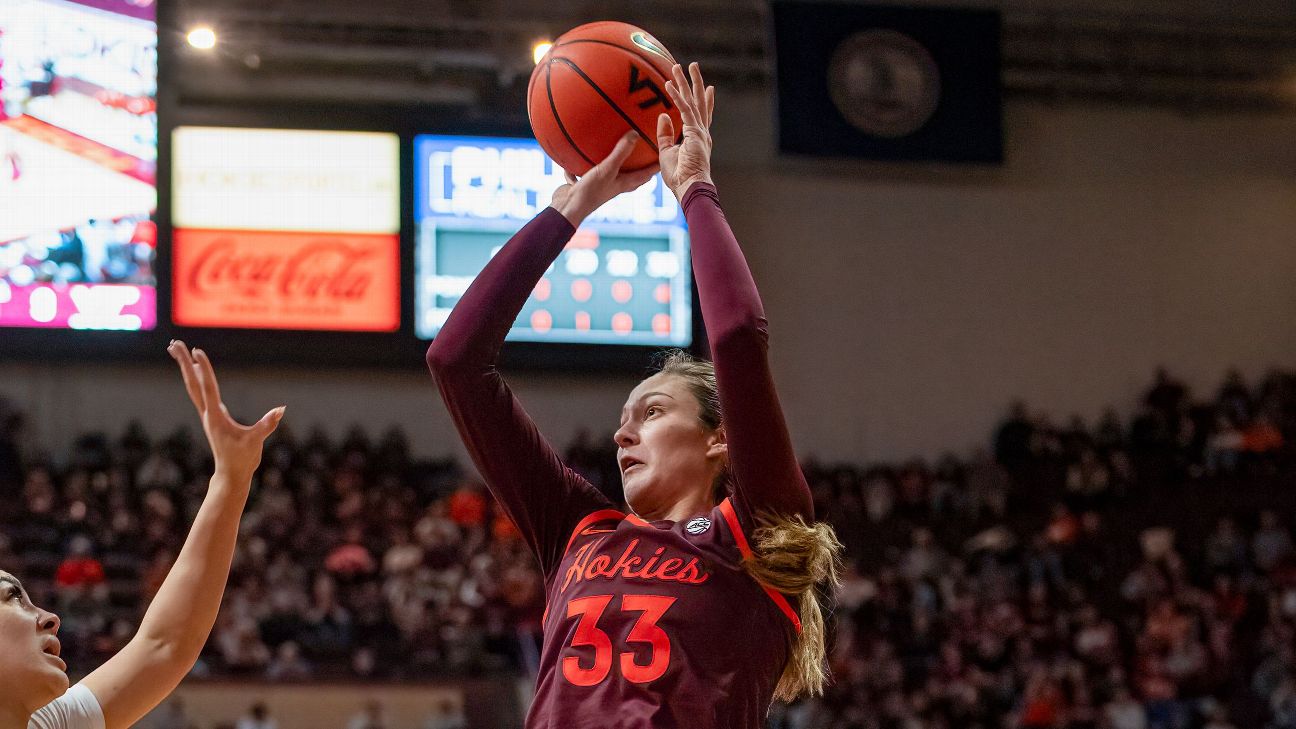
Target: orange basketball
x,y
597,82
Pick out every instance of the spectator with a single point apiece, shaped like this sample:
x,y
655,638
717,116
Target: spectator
x,y
258,717
468,505
1223,446
288,664
879,497
79,568
924,559
1013,441
1272,543
1216,715
1166,396
371,717
1226,550
1261,436
364,663
352,557
1123,712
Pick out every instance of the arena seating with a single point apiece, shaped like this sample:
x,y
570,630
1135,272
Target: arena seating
x,y
1120,574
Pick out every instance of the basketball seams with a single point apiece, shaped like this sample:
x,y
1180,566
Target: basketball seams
x,y
584,117
553,109
603,94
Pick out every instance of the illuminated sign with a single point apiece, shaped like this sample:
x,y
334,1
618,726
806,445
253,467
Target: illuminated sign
x,y
286,229
623,279
78,163
272,179
79,306
485,178
333,281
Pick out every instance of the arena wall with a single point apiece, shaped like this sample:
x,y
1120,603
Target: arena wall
x,y
908,304
214,704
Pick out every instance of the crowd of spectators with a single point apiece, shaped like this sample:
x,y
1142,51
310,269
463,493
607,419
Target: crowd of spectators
x,y
1133,575
1125,576
352,560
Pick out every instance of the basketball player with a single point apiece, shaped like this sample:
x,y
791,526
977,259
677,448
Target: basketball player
x,y
697,607
34,689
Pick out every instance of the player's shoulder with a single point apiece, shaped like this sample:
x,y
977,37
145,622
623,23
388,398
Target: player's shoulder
x,y
593,523
76,709
712,532
727,513
720,526
600,520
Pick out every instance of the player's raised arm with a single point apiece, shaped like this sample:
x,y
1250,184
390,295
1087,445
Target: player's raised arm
x,y
181,616
543,497
761,457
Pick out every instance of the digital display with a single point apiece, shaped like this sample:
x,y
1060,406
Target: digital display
x,y
78,164
286,229
624,278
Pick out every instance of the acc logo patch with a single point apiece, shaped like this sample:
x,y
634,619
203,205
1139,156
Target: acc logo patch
x,y
698,525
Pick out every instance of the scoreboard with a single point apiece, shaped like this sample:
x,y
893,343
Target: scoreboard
x,y
624,278
286,240
78,164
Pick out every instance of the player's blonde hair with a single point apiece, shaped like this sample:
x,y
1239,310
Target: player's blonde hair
x,y
798,559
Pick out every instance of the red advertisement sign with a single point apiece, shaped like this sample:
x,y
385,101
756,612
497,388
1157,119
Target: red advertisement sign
x,y
284,280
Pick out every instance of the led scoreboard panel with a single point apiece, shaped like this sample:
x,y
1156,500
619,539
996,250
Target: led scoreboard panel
x,y
624,278
78,164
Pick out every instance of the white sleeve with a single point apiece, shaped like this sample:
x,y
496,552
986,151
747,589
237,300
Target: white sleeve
x,y
76,709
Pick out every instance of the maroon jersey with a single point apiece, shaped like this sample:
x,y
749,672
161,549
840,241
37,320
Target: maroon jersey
x,y
647,624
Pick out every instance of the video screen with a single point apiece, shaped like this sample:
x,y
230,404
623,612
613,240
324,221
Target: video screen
x,y
286,229
623,279
78,164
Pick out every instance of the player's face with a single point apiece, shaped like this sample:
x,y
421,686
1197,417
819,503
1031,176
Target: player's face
x,y
33,673
665,452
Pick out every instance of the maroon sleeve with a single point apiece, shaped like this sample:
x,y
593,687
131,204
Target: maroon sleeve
x,y
542,496
762,461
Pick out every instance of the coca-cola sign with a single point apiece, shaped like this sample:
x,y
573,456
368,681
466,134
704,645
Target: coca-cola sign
x,y
279,280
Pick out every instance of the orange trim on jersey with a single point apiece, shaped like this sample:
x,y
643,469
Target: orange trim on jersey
x,y
731,517
634,519
592,519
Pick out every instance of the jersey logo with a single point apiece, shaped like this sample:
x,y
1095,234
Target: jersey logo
x,y
590,563
646,43
591,530
698,525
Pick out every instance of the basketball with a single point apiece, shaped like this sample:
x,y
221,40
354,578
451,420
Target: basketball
x,y
598,81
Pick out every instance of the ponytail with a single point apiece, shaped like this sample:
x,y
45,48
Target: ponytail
x,y
803,561
795,558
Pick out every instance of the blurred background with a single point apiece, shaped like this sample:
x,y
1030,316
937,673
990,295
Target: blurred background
x,y
1028,267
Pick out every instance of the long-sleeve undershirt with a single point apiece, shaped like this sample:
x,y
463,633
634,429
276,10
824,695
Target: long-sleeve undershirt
x,y
544,497
762,460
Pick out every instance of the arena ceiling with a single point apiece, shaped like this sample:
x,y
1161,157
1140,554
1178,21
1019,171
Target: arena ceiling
x,y
476,53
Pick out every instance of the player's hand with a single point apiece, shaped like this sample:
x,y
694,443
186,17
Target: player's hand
x,y
604,181
688,161
236,448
